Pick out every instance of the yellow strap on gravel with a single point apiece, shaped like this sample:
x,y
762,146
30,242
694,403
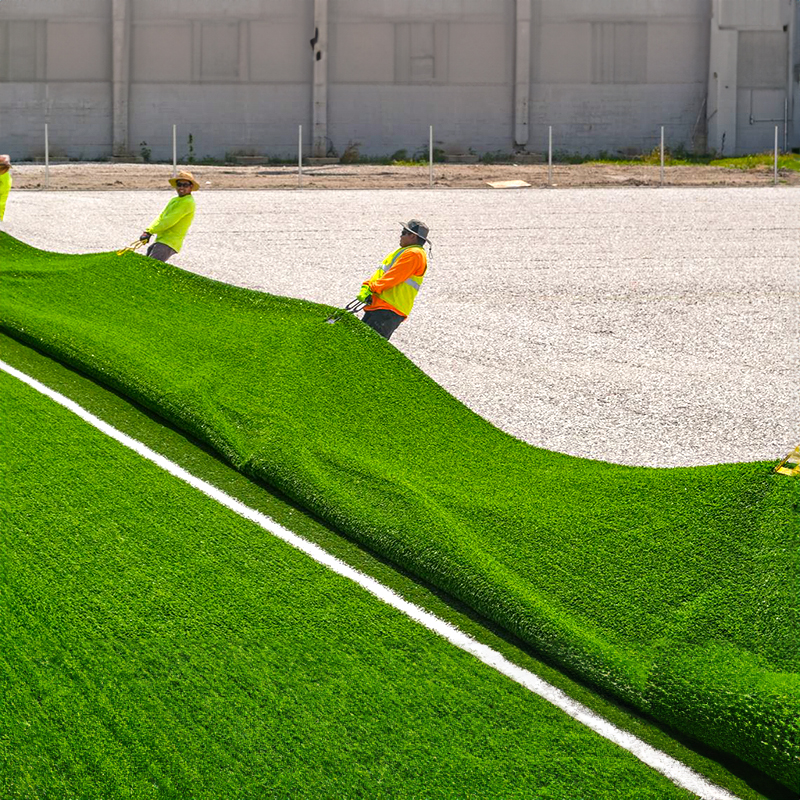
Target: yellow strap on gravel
x,y
792,459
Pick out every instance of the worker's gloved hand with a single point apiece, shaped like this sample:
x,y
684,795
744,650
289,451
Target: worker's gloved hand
x,y
365,294
145,237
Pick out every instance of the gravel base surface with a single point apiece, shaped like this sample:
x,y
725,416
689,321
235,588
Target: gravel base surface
x,y
640,326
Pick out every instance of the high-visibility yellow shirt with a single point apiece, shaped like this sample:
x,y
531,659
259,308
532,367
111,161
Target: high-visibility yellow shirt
x,y
171,227
395,288
5,187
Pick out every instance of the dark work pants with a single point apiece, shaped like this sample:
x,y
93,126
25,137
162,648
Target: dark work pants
x,y
383,321
160,252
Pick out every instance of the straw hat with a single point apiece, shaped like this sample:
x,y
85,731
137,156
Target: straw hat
x,y
184,176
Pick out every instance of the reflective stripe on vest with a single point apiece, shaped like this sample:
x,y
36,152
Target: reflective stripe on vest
x,y
403,295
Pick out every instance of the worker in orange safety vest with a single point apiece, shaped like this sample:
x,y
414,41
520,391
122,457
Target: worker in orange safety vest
x,y
393,287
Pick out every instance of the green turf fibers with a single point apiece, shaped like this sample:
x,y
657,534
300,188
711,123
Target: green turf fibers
x,y
154,644
673,589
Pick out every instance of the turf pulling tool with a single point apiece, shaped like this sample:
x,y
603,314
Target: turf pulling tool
x,y
353,307
132,247
791,464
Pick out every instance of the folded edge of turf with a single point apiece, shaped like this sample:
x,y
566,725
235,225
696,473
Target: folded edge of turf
x,y
256,376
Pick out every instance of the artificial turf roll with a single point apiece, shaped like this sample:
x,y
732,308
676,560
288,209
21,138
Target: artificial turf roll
x,y
673,589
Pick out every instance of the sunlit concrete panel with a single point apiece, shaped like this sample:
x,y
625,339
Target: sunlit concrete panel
x,y
480,54
224,9
624,10
415,10
78,51
677,52
55,9
237,119
279,52
564,53
758,113
762,15
361,52
763,59
161,52
78,117
391,118
614,118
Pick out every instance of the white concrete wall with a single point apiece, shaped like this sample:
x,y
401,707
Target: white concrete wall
x,y
55,62
607,75
238,75
794,79
234,75
751,86
235,120
397,68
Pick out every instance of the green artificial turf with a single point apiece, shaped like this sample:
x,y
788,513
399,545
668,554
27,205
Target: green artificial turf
x,y
673,589
155,644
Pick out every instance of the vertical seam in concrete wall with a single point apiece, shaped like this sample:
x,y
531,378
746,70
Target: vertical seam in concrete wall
x,y
441,52
793,10
197,43
402,53
120,37
244,51
5,55
522,72
41,49
319,100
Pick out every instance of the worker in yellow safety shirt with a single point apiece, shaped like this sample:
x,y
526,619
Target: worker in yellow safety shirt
x,y
393,287
171,227
5,183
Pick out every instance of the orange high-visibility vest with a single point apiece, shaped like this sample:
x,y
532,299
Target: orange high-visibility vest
x,y
392,291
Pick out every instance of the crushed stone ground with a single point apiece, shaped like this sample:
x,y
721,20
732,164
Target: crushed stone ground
x,y
638,326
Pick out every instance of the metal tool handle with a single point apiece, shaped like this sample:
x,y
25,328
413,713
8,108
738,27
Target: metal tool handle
x,y
354,306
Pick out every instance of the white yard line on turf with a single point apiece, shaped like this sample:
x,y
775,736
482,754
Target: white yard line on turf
x,y
678,773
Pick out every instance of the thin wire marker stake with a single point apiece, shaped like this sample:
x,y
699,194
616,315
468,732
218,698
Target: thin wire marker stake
x,y
430,156
299,156
775,179
46,157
